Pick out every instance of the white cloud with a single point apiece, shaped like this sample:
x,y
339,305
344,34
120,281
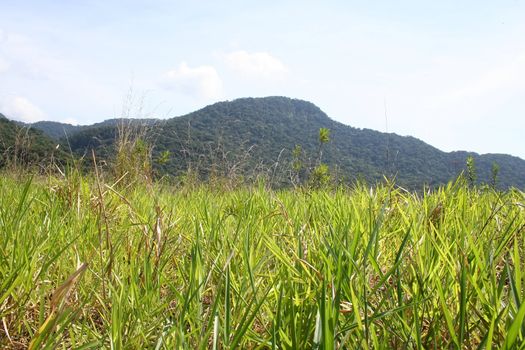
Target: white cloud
x,y
256,65
22,109
200,82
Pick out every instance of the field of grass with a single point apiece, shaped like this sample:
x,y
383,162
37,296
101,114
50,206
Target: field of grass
x,y
84,264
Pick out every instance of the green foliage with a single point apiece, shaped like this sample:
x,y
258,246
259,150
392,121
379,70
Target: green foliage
x,y
471,171
25,148
298,166
247,137
494,175
56,130
319,177
164,157
324,135
160,267
133,154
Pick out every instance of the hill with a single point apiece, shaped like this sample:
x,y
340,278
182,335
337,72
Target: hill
x,y
276,124
248,136
58,130
22,145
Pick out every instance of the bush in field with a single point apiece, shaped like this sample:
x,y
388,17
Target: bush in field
x,y
319,177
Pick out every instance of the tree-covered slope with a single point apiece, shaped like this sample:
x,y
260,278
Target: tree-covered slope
x,y
250,135
274,125
21,145
56,130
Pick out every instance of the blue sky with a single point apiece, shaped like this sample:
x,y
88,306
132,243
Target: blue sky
x,y
451,73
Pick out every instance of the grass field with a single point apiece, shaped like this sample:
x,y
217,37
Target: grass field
x,y
84,264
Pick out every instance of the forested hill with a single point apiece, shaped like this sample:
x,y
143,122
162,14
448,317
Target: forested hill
x,y
57,130
273,124
252,135
26,145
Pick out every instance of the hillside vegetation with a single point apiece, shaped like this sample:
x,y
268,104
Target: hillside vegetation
x,y
27,147
249,138
100,254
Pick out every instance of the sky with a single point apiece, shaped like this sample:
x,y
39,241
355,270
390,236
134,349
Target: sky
x,y
451,73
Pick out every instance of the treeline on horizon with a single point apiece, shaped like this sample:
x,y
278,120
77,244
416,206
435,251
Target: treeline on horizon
x,y
130,158
248,140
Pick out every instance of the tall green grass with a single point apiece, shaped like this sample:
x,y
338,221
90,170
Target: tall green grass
x,y
85,264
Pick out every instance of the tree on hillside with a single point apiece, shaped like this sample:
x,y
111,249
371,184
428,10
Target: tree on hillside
x,y
320,175
324,137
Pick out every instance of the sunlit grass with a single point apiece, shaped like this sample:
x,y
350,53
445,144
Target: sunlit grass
x,y
202,268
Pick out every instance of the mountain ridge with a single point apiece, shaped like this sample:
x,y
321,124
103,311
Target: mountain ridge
x,y
269,128
44,126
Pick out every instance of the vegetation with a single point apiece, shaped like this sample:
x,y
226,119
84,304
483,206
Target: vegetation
x,y
87,263
25,146
56,130
113,259
252,136
223,259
